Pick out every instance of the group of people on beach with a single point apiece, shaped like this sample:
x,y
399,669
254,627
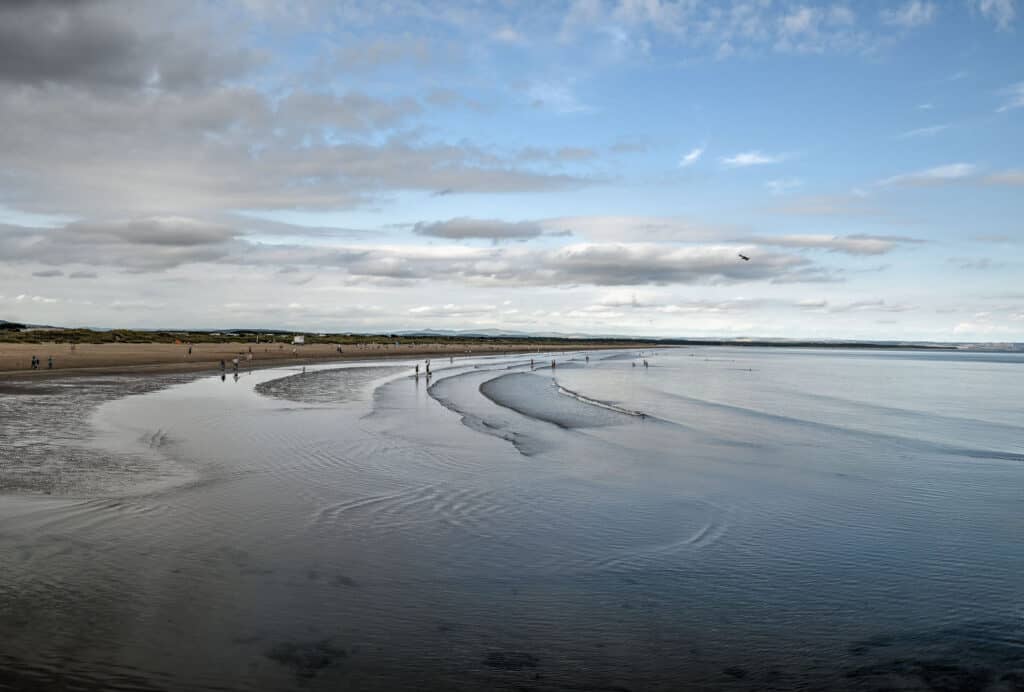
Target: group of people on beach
x,y
426,364
36,363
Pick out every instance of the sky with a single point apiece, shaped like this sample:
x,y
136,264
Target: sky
x,y
588,166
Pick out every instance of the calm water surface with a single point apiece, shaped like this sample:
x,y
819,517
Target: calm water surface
x,y
738,519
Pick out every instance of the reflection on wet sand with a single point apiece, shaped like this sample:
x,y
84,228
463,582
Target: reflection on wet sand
x,y
506,527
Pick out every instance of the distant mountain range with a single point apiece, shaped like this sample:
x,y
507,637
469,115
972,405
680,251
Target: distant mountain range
x,y
509,334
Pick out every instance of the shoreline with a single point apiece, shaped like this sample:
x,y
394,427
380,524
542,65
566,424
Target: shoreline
x,y
167,359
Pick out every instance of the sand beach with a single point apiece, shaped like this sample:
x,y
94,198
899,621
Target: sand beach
x,y
127,358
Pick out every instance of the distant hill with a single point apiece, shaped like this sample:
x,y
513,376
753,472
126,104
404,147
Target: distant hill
x,y
6,325
510,334
456,333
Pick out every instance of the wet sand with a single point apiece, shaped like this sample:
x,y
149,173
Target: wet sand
x,y
47,444
124,358
777,521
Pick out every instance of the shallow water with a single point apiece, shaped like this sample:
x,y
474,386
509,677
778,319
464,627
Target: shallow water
x,y
740,519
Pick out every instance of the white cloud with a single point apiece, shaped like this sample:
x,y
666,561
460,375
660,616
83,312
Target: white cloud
x,y
923,132
721,30
977,263
647,302
871,306
639,228
580,15
799,21
555,97
508,35
455,310
783,185
807,29
463,228
910,14
751,158
979,329
856,244
153,246
1002,12
933,176
1015,97
23,297
228,148
692,157
665,15
635,298
840,15
812,304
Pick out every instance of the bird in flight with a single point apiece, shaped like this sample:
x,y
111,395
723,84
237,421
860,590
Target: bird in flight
x,y
743,257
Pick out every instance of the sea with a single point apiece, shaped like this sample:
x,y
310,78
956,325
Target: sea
x,y
672,519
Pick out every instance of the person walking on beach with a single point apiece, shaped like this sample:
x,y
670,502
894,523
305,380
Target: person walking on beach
x,y
190,349
35,362
223,366
49,363
417,371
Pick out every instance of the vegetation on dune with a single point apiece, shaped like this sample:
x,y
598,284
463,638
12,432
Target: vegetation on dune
x,y
129,336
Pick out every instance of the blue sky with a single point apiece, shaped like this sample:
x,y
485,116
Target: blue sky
x,y
587,166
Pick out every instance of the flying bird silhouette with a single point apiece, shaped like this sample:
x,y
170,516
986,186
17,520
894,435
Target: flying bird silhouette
x,y
743,257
